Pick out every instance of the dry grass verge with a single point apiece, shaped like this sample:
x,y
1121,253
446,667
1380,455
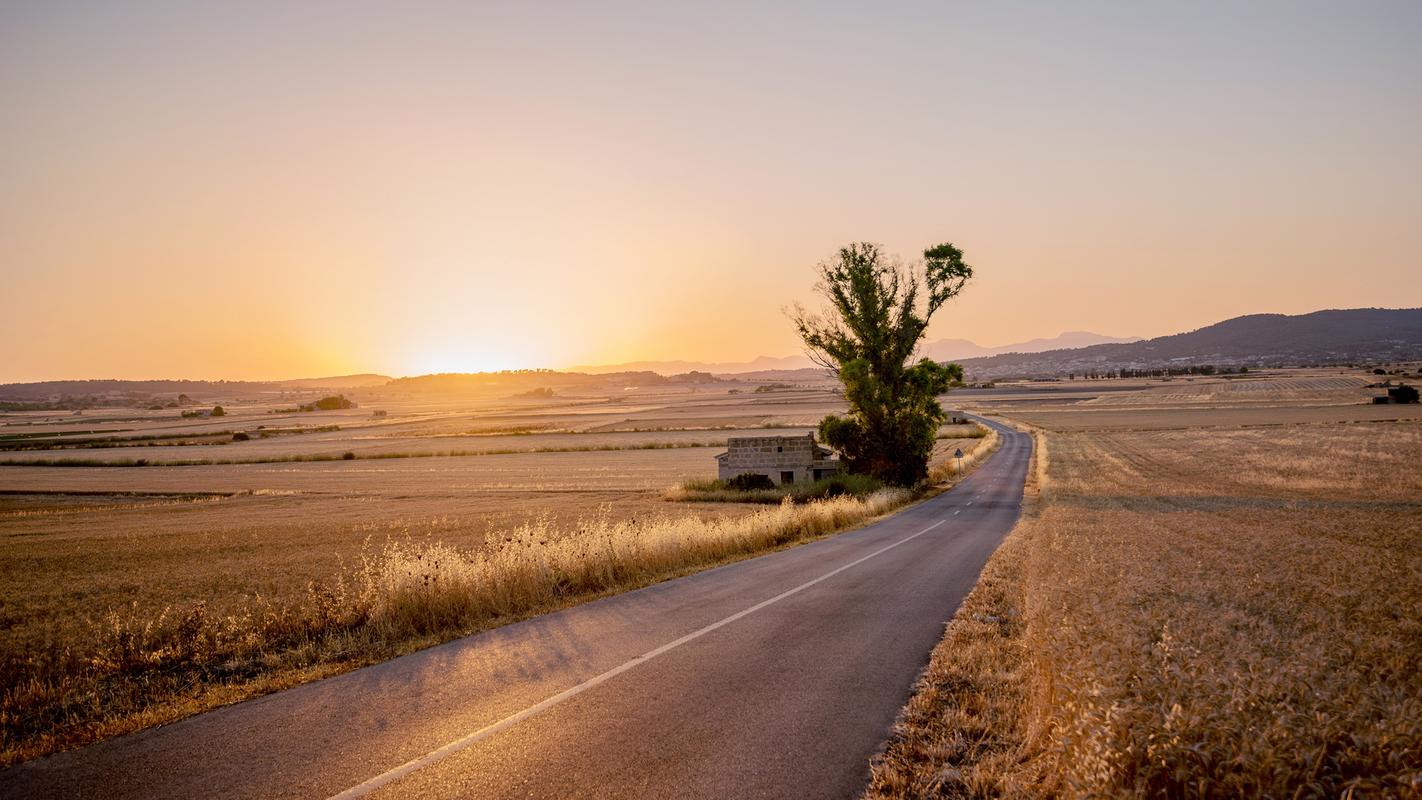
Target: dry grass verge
x,y
137,670
1188,613
964,731
949,470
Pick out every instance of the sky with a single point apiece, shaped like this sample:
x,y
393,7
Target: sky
x,y
289,189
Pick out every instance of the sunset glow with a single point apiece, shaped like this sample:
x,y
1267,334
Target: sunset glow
x,y
201,190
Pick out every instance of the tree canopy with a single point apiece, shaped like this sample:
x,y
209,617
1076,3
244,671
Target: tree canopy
x,y
878,313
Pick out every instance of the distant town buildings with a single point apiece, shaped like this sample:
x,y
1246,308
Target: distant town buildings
x,y
783,459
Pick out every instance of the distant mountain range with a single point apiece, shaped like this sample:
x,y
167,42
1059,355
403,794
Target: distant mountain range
x,y
1361,335
1358,335
939,350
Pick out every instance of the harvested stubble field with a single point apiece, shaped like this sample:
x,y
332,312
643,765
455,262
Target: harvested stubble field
x,y
1282,397
133,596
1188,613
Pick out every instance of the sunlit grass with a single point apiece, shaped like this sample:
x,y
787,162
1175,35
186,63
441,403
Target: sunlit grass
x,y
1188,613
135,668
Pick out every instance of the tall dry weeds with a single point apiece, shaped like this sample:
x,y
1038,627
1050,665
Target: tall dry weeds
x,y
138,669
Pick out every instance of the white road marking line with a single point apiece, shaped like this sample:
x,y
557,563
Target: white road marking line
x,y
386,778
956,513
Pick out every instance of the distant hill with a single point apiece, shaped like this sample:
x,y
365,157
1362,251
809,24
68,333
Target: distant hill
x,y
528,383
520,381
958,349
47,390
1344,336
1362,335
762,363
360,381
940,350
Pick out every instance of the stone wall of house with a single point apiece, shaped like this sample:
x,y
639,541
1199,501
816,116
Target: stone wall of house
x,y
771,451
775,456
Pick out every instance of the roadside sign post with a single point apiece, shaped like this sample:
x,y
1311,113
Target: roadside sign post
x,y
958,454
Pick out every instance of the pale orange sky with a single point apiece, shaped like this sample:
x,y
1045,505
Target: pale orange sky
x,y
280,190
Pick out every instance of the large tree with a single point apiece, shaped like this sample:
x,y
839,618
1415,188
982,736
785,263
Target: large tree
x,y
878,313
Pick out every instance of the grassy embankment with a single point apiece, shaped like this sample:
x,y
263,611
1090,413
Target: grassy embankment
x,y
1187,613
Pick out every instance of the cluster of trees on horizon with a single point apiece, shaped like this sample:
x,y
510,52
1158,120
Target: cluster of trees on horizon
x,y
1163,372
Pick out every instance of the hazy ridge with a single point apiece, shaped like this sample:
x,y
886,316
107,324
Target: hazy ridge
x,y
1337,336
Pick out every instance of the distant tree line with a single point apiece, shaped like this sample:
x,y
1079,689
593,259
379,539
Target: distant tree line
x,y
1162,372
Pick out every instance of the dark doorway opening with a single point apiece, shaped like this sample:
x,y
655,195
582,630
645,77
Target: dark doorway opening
x,y
787,477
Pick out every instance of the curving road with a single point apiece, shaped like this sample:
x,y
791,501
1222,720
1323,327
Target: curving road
x,y
778,676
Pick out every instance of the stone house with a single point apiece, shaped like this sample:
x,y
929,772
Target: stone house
x,y
1397,394
784,459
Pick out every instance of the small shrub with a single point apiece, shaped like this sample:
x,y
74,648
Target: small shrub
x,y
845,484
749,481
764,491
348,456
240,436
218,411
335,402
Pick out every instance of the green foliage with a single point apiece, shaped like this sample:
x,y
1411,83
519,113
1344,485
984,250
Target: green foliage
x,y
845,483
733,491
748,481
335,402
879,312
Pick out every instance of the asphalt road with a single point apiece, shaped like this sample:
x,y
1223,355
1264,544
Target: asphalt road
x,y
778,676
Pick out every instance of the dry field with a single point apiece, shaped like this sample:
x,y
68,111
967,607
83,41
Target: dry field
x,y
1188,613
137,595
1283,397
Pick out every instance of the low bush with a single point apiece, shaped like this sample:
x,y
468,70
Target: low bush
x,y
735,491
335,402
748,481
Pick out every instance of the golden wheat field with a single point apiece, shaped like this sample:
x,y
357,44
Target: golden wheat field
x,y
1188,613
